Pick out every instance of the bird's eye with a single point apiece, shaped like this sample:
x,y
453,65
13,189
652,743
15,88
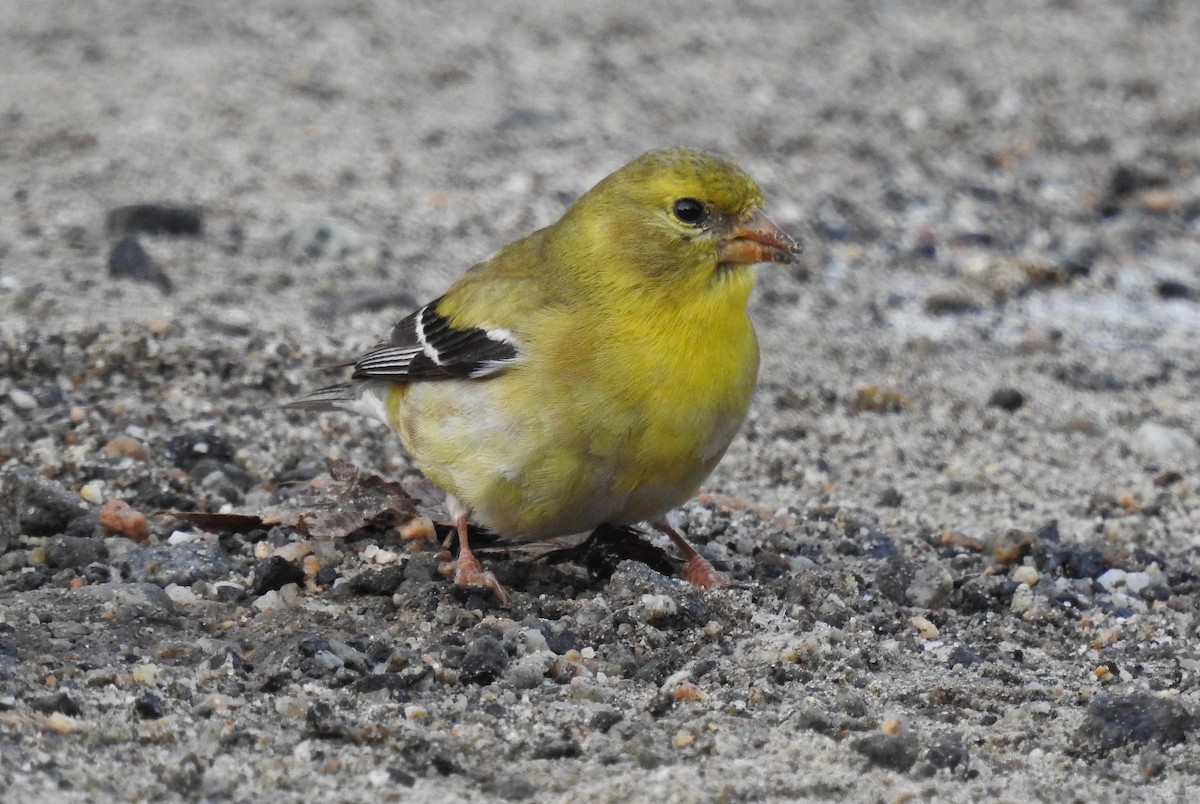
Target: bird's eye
x,y
690,211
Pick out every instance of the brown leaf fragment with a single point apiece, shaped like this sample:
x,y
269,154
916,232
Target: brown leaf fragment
x,y
336,505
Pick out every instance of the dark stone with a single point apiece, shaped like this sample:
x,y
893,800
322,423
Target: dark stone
x,y
484,661
97,573
402,778
948,752
1171,289
1141,718
189,449
661,704
1009,399
275,573
897,752
605,719
128,260
964,655
394,683
154,219
74,551
35,505
383,581
149,706
326,576
313,644
59,702
557,749
949,304
893,579
1071,561
890,498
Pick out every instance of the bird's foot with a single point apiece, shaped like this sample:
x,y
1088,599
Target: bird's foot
x,y
699,572
469,572
696,568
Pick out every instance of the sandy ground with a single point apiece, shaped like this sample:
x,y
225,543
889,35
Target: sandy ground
x,y
961,520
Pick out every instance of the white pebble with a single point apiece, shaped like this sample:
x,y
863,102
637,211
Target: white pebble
x,y
1109,580
180,594
655,607
93,492
22,400
1135,582
269,602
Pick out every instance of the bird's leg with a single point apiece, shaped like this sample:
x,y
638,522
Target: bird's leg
x,y
467,569
696,568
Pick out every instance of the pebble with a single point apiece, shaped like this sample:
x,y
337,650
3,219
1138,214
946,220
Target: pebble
x,y
1140,718
275,573
484,661
1112,579
180,594
925,629
1009,399
22,400
1026,575
35,504
930,587
154,219
145,673
654,607
897,752
948,752
119,517
271,601
383,581
182,564
74,551
148,706
292,551
1135,582
1168,447
124,446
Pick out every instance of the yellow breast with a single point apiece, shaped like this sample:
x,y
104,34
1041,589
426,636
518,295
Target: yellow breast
x,y
612,416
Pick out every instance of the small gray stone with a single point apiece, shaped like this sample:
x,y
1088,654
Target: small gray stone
x,y
35,505
896,752
182,564
1141,718
74,551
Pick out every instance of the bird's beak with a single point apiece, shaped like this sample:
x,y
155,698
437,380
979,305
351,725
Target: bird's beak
x,y
755,238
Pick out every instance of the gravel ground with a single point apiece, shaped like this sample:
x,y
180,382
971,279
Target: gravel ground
x,y
961,520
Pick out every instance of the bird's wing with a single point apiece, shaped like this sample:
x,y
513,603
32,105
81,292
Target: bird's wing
x,y
425,346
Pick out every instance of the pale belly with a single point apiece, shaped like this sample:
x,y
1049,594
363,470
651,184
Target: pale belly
x,y
529,473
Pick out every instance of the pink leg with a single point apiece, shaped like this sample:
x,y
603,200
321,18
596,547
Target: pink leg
x,y
696,568
468,571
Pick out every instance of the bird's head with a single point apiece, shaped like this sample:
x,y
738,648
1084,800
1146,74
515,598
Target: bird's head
x,y
679,217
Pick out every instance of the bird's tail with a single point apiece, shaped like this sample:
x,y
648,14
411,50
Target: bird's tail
x,y
331,397
364,398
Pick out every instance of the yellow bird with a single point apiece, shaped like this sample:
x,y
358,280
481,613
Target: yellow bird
x,y
593,372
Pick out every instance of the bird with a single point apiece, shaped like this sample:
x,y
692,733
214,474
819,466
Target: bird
x,y
589,374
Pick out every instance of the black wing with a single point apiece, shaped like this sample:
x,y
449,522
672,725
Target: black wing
x,y
425,347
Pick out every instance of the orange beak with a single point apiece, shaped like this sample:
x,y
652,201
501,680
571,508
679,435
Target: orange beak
x,y
754,239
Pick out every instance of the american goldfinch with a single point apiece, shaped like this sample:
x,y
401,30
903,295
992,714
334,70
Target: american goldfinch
x,y
593,372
